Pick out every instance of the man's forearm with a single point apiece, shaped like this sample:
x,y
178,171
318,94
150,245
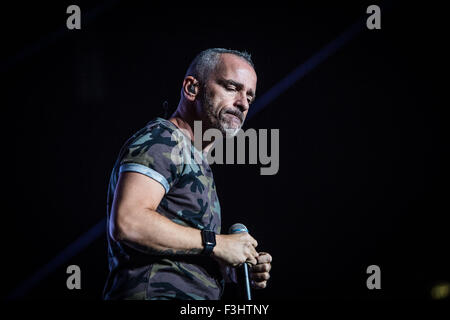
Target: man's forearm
x,y
149,231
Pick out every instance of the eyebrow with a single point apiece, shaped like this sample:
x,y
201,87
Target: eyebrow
x,y
238,86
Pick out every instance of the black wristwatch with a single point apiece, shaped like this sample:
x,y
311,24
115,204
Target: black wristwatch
x,y
209,241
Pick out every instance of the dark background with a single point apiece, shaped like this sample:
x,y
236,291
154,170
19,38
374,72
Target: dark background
x,y
362,180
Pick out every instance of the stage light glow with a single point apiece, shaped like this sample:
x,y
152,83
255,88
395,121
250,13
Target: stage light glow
x,y
440,291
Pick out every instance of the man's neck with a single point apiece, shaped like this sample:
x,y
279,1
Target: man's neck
x,y
185,121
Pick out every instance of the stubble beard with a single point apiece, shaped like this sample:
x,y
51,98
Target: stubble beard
x,y
216,121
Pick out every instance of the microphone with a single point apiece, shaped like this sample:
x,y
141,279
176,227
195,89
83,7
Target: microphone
x,y
239,228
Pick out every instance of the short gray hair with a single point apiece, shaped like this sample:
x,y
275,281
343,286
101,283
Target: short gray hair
x,y
206,61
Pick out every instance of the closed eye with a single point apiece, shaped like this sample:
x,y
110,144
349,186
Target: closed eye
x,y
233,86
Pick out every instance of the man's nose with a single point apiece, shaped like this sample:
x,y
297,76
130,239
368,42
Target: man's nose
x,y
242,102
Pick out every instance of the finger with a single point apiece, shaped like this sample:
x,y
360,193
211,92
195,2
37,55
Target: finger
x,y
251,261
253,241
264,257
259,285
260,276
262,267
253,252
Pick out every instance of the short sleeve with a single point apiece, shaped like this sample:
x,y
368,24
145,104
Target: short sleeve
x,y
154,153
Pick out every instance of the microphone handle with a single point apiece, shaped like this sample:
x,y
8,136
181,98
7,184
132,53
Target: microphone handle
x,y
238,228
247,282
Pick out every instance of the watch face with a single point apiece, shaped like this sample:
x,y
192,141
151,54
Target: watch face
x,y
209,237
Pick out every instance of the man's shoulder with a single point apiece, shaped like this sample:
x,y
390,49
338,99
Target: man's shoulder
x,y
161,140
161,122
153,147
160,126
156,131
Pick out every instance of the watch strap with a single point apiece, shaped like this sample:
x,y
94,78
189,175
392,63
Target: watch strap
x,y
208,246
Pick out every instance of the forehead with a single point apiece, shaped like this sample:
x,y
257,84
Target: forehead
x,y
232,67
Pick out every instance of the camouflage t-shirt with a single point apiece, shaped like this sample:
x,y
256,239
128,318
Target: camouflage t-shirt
x,y
161,152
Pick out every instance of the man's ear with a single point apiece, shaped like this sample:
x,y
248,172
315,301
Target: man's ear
x,y
190,88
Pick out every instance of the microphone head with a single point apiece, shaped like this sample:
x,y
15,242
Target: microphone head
x,y
237,228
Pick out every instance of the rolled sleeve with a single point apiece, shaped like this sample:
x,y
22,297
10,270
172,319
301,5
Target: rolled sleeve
x,y
153,174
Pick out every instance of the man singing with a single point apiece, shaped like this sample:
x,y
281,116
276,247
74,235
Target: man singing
x,y
164,219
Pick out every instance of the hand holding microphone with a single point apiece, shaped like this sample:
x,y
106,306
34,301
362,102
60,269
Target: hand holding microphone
x,y
238,228
236,248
